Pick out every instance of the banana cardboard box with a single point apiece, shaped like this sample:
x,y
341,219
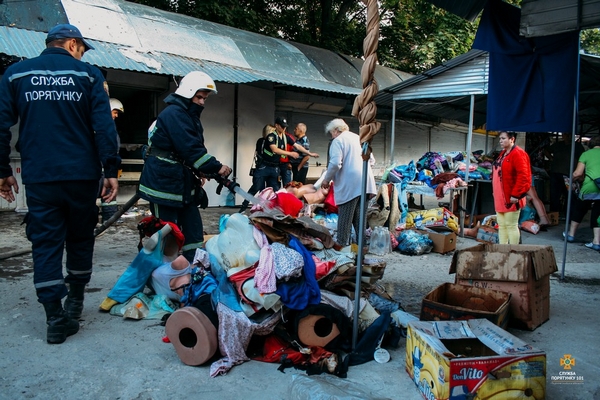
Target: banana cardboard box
x,y
440,216
473,360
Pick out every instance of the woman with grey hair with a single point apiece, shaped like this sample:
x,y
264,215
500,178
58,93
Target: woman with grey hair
x,y
345,170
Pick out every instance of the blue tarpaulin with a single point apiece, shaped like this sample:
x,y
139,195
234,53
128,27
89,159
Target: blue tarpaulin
x,y
532,81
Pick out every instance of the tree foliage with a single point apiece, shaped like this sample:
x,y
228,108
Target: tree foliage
x,y
415,35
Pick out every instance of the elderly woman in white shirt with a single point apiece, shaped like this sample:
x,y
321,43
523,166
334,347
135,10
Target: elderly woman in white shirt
x,y
345,169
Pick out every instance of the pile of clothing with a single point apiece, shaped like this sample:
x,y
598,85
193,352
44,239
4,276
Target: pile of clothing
x,y
270,286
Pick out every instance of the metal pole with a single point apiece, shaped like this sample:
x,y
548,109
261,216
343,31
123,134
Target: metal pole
x,y
573,133
360,238
463,198
393,139
570,194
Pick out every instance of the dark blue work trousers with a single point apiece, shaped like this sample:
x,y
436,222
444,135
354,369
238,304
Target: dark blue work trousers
x,y
188,219
61,214
265,176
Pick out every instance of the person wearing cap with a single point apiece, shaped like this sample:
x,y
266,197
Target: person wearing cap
x,y
107,210
176,159
289,145
66,139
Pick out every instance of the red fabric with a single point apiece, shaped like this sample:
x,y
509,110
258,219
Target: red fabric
x,y
288,204
329,203
148,226
275,348
322,267
516,173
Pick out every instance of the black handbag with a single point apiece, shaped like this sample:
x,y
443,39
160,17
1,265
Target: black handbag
x,y
257,160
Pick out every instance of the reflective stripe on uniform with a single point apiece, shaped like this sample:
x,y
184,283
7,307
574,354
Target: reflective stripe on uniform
x,y
202,160
49,283
192,246
160,195
79,272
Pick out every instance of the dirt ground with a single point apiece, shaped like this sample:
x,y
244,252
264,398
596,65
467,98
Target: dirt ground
x,y
113,358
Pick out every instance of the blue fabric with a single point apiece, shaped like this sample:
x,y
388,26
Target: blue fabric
x,y
200,284
225,292
408,172
532,81
297,296
137,274
369,340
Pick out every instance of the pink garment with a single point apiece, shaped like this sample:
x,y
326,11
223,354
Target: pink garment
x,y
265,279
235,332
453,183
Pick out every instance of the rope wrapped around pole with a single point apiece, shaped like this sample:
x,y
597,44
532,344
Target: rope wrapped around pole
x,y
364,108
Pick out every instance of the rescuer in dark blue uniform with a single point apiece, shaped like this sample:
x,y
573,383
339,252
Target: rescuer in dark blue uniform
x,y
66,138
176,156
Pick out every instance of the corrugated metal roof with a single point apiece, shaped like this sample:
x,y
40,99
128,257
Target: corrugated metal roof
x,y
538,18
443,92
463,75
541,18
134,37
22,43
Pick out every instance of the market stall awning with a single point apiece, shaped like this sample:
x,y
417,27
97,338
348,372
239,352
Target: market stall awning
x,y
139,38
538,18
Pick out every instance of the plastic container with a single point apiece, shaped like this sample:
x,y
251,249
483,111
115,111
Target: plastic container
x,y
380,241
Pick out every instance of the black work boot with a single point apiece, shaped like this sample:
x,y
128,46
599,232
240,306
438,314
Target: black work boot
x,y
59,324
244,206
74,301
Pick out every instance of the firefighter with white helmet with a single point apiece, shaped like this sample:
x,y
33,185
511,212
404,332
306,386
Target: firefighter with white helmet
x,y
176,156
116,107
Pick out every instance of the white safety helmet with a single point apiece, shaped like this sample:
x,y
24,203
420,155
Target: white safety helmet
x,y
116,105
194,81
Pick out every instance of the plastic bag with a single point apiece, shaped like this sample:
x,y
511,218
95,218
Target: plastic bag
x,y
527,214
413,243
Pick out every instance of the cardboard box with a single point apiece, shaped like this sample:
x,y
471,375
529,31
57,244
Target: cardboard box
x,y
522,270
444,239
451,301
553,218
472,359
487,234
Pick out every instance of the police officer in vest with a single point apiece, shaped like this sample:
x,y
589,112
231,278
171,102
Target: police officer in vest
x,y
176,156
66,138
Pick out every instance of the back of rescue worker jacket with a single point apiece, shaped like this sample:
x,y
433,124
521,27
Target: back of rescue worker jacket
x,y
66,131
176,139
